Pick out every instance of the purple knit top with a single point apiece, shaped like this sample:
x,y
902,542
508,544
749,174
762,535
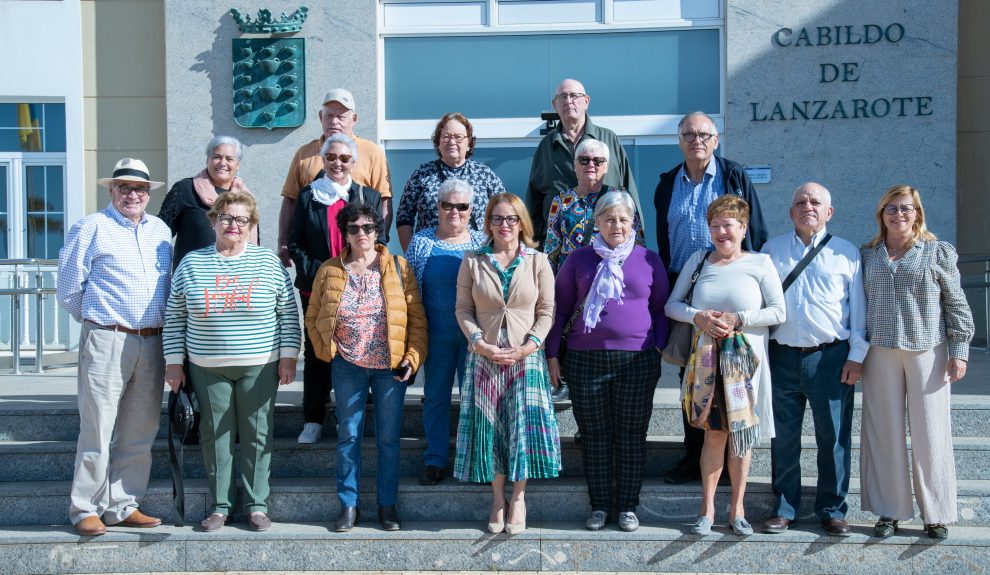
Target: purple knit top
x,y
636,324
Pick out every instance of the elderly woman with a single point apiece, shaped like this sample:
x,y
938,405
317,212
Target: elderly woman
x,y
919,327
615,291
185,205
233,315
736,298
435,254
507,426
453,139
366,318
570,224
315,237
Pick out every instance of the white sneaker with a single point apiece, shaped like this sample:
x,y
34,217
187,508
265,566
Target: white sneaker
x,y
311,433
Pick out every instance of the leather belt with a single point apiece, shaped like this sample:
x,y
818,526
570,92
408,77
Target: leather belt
x,y
815,348
143,332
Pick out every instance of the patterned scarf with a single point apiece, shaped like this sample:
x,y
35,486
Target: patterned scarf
x,y
736,362
609,280
207,192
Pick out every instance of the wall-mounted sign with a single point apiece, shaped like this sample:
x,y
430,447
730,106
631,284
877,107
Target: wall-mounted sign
x,y
759,174
269,79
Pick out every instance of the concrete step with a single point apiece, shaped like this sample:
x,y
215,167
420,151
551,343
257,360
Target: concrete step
x,y
446,546
563,500
53,460
40,423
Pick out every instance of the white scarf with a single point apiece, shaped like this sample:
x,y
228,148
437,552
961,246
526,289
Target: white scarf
x,y
327,191
609,281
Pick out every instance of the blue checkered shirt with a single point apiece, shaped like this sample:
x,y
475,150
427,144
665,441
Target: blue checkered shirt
x,y
688,215
115,272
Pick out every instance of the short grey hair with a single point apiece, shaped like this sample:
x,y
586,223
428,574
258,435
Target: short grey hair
x,y
218,141
690,115
453,186
615,199
593,147
826,195
340,138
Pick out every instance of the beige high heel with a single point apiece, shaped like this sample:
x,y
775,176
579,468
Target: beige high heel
x,y
496,527
516,528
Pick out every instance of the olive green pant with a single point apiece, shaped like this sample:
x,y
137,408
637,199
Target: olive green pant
x,y
237,400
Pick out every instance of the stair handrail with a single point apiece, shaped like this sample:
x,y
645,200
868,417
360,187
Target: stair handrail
x,y
39,292
985,286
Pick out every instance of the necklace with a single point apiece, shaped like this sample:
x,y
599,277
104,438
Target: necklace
x,y
893,252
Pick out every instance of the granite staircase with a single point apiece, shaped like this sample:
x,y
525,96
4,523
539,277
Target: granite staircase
x,y
444,525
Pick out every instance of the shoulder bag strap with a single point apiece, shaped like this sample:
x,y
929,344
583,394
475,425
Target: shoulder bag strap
x,y
804,262
694,277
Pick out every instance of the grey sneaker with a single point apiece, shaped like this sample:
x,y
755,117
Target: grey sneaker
x,y
311,433
596,521
741,527
628,521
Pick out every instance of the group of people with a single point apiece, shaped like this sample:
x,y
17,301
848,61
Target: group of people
x,y
807,311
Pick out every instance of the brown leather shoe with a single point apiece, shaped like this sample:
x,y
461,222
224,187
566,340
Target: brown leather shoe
x,y
836,527
90,526
138,519
777,525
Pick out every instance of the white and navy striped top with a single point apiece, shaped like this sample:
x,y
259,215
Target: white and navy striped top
x,y
231,311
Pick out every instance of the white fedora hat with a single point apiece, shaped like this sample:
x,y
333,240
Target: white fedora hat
x,y
131,170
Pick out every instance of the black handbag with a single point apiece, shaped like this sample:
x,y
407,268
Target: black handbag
x,y
183,423
678,349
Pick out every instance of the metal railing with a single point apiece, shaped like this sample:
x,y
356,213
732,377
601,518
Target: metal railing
x,y
20,288
969,261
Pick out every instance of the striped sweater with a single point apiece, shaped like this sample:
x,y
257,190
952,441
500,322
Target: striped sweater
x,y
230,311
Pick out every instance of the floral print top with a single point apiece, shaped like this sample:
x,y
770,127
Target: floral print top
x,y
361,331
418,205
571,224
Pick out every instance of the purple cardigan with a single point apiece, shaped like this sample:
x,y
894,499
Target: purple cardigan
x,y
637,324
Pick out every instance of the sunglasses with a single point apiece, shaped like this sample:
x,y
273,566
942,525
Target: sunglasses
x,y
344,158
355,229
126,190
451,206
585,160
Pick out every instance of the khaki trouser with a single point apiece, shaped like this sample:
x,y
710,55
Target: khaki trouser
x,y
890,376
121,381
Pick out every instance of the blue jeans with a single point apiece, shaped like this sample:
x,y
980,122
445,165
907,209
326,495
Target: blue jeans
x,y
445,356
352,383
812,377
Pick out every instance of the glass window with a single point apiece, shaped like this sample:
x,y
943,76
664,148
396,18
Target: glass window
x,y
32,127
491,84
44,191
3,212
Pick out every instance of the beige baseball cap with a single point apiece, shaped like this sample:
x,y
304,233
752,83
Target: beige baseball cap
x,y
340,95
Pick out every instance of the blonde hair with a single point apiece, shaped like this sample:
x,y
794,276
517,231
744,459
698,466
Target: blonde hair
x,y
525,224
918,229
729,206
232,197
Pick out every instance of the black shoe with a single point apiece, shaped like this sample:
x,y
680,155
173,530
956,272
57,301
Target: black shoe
x,y
432,475
683,474
347,520
388,517
937,530
561,393
885,527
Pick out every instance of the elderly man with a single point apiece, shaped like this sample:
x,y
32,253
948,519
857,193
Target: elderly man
x,y
681,200
337,116
552,171
815,357
113,278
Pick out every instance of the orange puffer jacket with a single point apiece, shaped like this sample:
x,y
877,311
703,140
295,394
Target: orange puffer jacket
x,y
404,309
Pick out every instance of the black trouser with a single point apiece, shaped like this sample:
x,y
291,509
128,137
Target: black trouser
x,y
316,378
612,397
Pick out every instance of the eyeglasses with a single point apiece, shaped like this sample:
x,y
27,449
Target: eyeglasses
x,y
692,136
228,159
585,160
456,138
565,96
355,229
499,220
126,190
459,207
905,209
344,158
228,219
